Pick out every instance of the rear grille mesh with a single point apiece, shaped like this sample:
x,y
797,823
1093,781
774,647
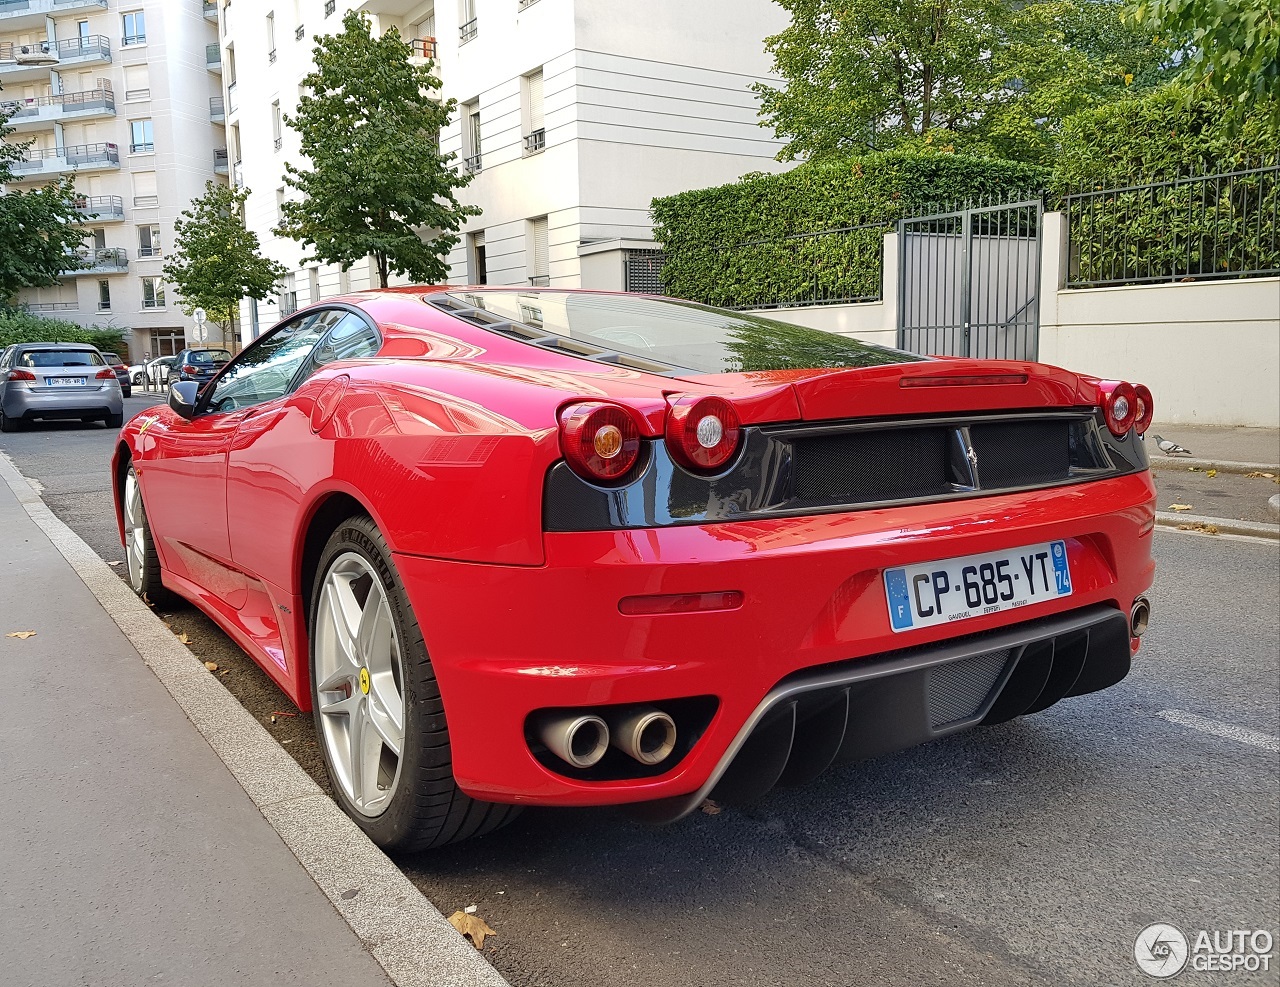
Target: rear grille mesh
x,y
959,689
872,465
1015,454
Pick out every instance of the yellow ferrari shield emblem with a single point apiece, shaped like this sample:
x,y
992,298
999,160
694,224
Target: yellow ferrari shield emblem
x,y
364,681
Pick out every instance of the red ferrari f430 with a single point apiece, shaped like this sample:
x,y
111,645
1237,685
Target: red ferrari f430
x,y
542,547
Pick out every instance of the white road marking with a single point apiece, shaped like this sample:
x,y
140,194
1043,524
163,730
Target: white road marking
x,y
1254,738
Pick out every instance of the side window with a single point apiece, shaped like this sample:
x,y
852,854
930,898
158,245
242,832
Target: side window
x,y
265,370
351,339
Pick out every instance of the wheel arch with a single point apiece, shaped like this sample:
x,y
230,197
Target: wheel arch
x,y
121,460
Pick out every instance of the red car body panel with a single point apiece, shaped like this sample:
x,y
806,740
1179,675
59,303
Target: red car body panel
x,y
446,439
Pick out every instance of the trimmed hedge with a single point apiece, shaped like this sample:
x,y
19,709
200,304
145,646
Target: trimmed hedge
x,y
17,326
743,244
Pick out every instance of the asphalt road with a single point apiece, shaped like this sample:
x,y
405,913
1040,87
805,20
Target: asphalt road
x,y
1029,853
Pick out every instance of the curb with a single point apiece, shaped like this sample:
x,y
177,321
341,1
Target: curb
x,y
1225,525
400,928
1221,465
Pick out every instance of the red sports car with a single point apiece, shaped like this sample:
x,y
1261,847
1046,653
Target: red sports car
x,y
545,547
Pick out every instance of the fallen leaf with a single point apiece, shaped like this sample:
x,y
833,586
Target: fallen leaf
x,y
211,665
710,808
1201,526
1259,475
1211,474
115,563
1179,507
471,927
22,634
1193,469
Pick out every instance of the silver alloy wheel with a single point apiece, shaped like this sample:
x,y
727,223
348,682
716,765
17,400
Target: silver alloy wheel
x,y
135,532
360,683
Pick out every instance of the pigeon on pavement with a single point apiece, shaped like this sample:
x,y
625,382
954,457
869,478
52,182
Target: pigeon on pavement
x,y
1170,448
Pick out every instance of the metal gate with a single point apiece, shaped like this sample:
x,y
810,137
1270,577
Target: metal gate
x,y
969,282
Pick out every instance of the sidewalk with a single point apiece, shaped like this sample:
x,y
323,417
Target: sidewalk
x,y
131,853
1233,493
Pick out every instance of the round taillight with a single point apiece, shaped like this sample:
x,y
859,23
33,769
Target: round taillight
x,y
1119,405
600,442
702,432
1146,408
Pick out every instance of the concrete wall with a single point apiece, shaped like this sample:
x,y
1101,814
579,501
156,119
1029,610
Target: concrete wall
x,y
1209,350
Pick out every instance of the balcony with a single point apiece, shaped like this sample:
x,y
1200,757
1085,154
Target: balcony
x,y
100,260
424,50
211,10
37,164
472,163
16,15
41,112
32,62
212,57
220,165
468,31
100,208
149,253
217,110
535,141
52,306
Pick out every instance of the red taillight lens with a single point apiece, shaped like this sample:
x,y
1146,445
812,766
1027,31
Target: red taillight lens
x,y
702,433
1146,408
1119,405
106,373
600,442
21,375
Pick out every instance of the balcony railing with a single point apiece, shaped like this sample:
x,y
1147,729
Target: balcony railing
x,y
217,109
271,55
211,9
535,142
279,143
540,281
95,102
51,160
135,95
468,31
146,201
99,260
220,160
299,34
424,48
472,162
51,54
149,252
525,3
100,207
52,306
20,12
213,57
329,7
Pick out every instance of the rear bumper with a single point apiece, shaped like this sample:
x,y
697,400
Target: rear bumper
x,y
507,640
64,403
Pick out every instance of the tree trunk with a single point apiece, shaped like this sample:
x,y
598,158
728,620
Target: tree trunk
x,y
383,269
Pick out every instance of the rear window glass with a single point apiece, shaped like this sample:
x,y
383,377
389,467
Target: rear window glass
x,y
60,358
112,357
208,356
679,335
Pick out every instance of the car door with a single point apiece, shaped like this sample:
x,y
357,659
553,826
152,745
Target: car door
x,y
275,457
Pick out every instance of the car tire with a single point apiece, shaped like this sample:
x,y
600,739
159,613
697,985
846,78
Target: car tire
x,y
138,380
359,689
114,421
142,564
127,391
8,424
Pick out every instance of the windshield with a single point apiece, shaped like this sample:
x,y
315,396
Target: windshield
x,y
208,356
681,335
60,358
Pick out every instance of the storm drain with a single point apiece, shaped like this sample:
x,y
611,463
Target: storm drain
x,y
959,689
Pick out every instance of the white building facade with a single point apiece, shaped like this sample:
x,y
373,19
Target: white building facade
x,y
572,114
127,96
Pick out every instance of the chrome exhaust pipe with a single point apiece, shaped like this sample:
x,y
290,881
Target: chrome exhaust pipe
x,y
579,739
1140,616
644,733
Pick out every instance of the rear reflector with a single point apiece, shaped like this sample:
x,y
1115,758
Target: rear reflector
x,y
635,606
969,381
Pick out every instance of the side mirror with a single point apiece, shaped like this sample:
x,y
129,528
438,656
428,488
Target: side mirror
x,y
182,398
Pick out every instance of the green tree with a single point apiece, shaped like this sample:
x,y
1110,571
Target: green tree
x,y
980,76
376,184
1233,50
39,228
216,261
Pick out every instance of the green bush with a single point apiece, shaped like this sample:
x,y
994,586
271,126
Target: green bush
x,y
747,243
17,326
1155,216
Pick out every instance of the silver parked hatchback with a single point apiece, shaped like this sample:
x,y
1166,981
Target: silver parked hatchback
x,y
57,380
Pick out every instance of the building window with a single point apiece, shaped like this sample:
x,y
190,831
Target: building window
x,y
277,125
279,206
141,138
535,132
149,241
134,28
537,252
137,82
152,293
471,135
479,270
468,28
104,296
271,36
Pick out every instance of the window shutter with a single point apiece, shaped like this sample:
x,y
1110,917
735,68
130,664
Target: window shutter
x,y
541,251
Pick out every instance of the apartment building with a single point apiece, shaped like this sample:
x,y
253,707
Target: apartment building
x,y
127,96
573,115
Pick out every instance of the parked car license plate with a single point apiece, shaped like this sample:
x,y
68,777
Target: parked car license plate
x,y
82,381
973,585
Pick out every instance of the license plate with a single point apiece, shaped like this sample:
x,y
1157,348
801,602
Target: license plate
x,y
973,585
69,381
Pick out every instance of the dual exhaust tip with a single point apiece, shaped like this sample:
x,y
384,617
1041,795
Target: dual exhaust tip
x,y
1140,616
645,734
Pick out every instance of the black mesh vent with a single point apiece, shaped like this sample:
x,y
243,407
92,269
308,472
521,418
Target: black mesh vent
x,y
867,466
1021,453
958,689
